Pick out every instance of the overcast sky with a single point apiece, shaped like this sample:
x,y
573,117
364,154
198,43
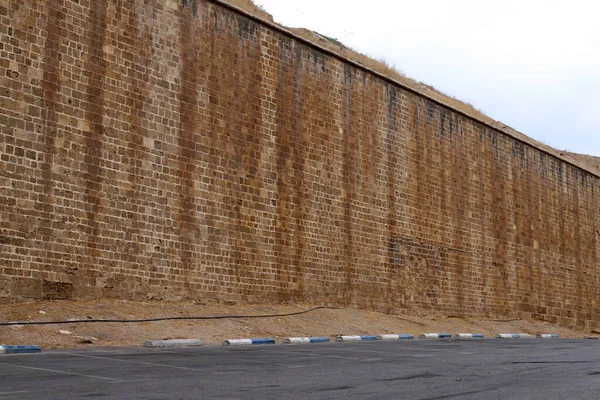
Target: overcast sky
x,y
533,65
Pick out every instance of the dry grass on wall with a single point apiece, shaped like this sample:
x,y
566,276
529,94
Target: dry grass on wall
x,y
591,162
250,7
381,66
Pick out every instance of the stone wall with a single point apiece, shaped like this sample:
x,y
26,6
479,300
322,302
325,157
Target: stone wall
x,y
164,150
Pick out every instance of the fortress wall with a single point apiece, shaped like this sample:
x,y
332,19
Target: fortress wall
x,y
160,150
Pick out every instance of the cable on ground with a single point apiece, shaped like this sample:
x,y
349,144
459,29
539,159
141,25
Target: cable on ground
x,y
128,321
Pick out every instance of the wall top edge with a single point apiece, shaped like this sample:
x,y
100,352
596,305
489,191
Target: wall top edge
x,y
551,152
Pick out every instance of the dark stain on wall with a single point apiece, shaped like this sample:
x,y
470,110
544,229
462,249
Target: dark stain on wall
x,y
245,142
211,180
445,123
518,150
559,172
246,27
138,39
500,227
348,178
458,208
95,66
431,110
192,4
289,76
51,83
318,61
543,165
367,145
390,126
187,139
301,134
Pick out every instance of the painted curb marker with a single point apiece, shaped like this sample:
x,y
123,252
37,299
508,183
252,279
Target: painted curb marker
x,y
547,336
364,338
306,340
20,349
246,342
435,336
514,336
173,343
401,336
469,336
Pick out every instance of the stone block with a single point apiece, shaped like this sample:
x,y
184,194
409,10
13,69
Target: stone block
x,y
5,287
27,287
57,290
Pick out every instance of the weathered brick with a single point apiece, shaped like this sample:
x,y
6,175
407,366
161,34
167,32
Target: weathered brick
x,y
57,290
27,287
164,153
5,287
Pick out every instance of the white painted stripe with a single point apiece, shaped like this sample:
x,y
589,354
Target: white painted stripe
x,y
348,339
514,336
173,343
297,340
2,350
429,336
15,392
237,342
225,373
57,371
303,366
387,337
122,360
468,336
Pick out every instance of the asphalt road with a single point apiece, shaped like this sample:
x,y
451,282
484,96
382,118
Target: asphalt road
x,y
488,369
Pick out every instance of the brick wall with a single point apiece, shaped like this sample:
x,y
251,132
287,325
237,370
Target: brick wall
x,y
160,150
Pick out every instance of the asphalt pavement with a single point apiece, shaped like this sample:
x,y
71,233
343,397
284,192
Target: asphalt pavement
x,y
413,369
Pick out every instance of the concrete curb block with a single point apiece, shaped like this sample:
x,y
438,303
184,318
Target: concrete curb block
x,y
355,338
20,349
306,340
173,343
401,336
547,336
468,336
435,336
246,342
592,337
514,336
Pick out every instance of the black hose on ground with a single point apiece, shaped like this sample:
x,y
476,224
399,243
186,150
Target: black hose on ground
x,y
127,321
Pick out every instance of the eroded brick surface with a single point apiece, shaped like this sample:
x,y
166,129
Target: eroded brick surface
x,y
165,150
